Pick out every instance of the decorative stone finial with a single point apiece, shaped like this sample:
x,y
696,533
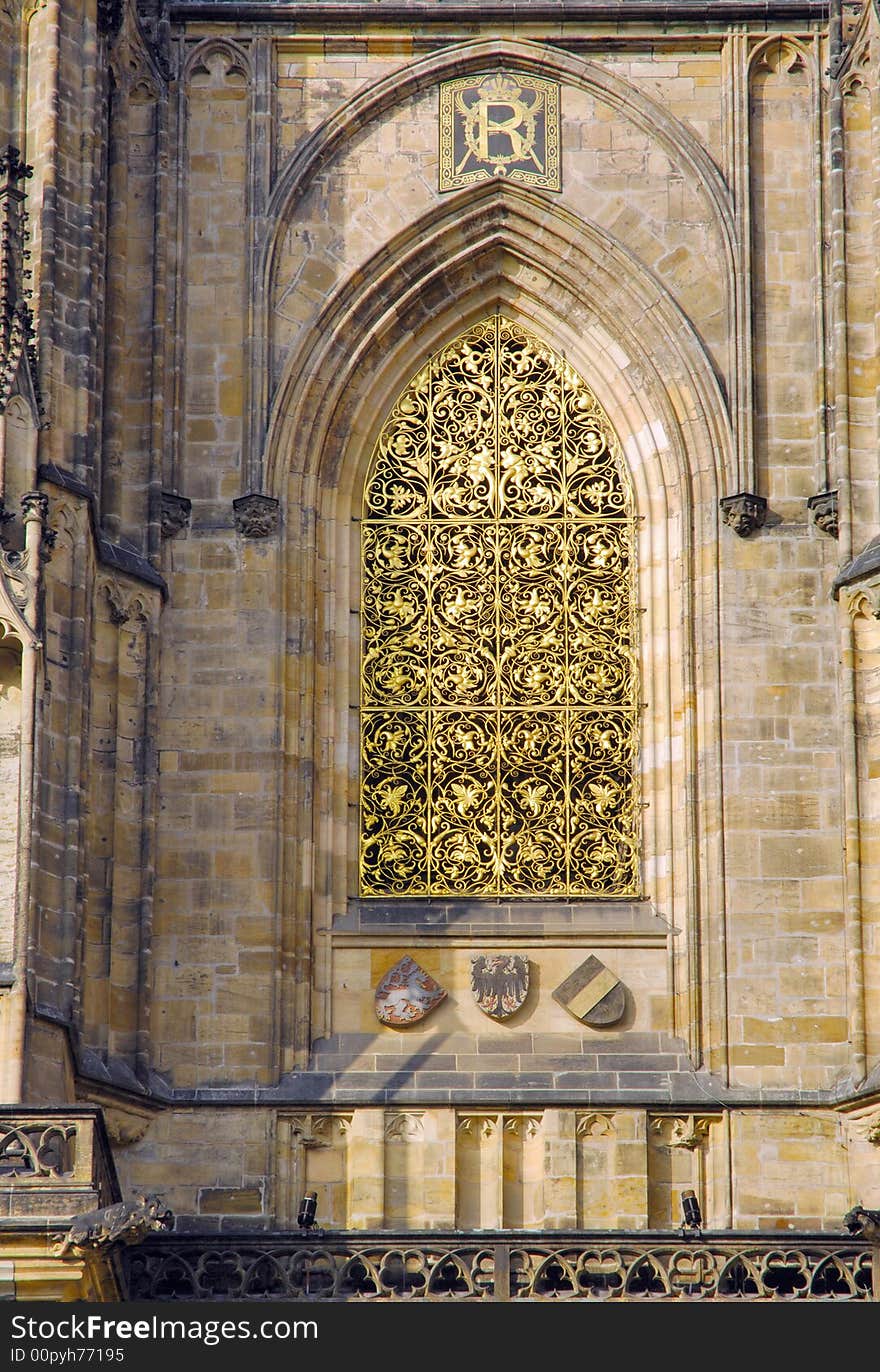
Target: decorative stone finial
x,y
744,513
109,17
11,166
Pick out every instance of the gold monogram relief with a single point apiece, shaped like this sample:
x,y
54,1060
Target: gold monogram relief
x,y
499,685
500,124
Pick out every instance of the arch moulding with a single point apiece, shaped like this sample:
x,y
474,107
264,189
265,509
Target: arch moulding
x,y
502,248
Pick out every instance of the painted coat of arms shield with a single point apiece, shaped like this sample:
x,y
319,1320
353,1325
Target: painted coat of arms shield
x,y
407,993
500,982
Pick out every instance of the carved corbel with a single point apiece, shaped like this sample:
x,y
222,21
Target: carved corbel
x,y
406,1126
256,516
868,1128
126,1126
526,1126
176,513
479,1126
316,1131
682,1131
744,513
823,508
594,1124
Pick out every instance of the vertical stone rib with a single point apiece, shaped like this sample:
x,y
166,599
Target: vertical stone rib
x,y
739,174
843,481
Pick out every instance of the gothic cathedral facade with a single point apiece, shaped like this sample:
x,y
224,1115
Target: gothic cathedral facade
x,y
439,647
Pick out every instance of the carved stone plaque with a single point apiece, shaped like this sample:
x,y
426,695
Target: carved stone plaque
x,y
503,125
592,994
500,982
407,993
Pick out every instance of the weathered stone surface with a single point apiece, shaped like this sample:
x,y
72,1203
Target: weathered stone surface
x,y
241,258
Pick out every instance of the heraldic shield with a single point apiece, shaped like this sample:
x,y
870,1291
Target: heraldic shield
x,y
407,993
500,982
593,994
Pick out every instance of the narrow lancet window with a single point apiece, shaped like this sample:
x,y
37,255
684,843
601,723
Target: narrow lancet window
x,y
499,687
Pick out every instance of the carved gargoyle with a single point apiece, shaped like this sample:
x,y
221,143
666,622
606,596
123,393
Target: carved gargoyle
x,y
864,1223
126,1222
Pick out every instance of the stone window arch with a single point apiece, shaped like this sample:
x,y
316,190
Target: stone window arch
x,y
499,677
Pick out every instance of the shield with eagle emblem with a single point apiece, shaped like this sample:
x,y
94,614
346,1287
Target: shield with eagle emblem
x,y
500,982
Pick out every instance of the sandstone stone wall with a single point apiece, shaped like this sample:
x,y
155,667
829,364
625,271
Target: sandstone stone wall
x,y
241,257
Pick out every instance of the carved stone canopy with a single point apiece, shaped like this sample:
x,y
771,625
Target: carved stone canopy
x,y
861,572
744,513
256,516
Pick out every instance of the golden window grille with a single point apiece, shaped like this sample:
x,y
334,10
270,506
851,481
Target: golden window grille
x,y
499,684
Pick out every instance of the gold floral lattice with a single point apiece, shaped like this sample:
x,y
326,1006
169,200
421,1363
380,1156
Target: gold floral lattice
x,y
499,685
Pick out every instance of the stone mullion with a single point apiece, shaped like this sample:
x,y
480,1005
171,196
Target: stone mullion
x,y
123,907
147,771
861,275
86,150
872,60
259,161
140,494
133,810
498,515
114,389
708,952
62,767
161,349
300,1016
560,1170
322,857
492,1174
10,761
100,830
837,281
43,107
851,748
820,313
736,58
366,1162
177,227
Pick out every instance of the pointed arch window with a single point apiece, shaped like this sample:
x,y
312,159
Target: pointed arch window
x,y
499,689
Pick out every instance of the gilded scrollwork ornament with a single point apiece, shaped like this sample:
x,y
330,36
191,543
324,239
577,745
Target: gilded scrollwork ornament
x,y
499,682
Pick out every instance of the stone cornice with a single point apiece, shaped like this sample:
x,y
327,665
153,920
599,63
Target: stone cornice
x,y
405,12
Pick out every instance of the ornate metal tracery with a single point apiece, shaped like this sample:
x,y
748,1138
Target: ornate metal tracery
x,y
499,685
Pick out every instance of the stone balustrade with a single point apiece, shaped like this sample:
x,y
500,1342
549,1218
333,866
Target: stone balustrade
x,y
496,1266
